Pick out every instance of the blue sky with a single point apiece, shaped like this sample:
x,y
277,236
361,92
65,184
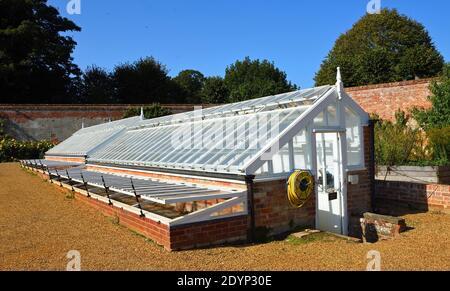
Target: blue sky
x,y
208,35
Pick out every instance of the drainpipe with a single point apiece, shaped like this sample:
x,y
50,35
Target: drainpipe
x,y
372,123
251,207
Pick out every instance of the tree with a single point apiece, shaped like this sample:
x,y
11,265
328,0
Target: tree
x,y
214,91
145,81
250,79
35,59
97,86
385,47
191,82
153,111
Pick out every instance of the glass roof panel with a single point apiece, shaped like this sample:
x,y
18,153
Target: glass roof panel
x,y
86,139
265,104
216,139
209,144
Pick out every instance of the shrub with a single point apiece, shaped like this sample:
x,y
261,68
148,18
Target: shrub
x,y
399,144
436,120
440,143
13,150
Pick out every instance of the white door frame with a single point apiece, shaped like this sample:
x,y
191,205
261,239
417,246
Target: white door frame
x,y
342,162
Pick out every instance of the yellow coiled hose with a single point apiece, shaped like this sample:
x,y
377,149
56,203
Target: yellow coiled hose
x,y
300,186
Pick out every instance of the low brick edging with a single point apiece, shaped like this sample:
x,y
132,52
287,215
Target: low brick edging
x,y
173,238
209,233
413,195
183,237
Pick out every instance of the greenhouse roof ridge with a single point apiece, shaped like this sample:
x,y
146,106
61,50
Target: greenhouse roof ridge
x,y
89,138
121,123
284,100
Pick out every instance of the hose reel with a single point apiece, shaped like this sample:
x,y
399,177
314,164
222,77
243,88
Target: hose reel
x,y
300,187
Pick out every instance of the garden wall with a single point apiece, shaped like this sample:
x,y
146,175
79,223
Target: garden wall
x,y
37,122
58,122
385,99
397,195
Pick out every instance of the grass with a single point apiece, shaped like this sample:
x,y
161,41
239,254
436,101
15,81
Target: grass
x,y
115,220
311,238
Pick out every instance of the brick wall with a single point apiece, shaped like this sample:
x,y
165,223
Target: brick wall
x,y
39,122
274,214
222,231
177,238
391,194
156,231
386,99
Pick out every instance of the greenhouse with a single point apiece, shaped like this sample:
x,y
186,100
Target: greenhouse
x,y
264,165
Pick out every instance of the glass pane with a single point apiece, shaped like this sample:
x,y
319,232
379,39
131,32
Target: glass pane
x,y
281,161
302,152
332,118
319,120
352,124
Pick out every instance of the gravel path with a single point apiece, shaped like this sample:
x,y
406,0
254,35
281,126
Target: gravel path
x,y
39,225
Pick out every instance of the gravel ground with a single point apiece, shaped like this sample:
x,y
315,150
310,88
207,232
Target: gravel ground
x,y
39,225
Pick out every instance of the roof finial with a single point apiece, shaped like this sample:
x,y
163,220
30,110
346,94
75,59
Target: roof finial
x,y
82,123
339,83
142,113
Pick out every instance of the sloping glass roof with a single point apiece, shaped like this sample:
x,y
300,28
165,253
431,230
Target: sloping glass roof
x,y
301,97
87,139
218,139
220,144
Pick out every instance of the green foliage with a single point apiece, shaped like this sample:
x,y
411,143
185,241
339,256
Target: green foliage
x,y
399,144
250,79
215,91
438,115
385,47
150,112
440,142
191,82
12,150
436,120
35,53
97,86
145,81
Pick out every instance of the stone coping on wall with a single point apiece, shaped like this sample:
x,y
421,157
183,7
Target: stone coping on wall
x,y
390,85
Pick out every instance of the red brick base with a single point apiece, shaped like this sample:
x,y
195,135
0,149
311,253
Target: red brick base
x,y
408,194
175,238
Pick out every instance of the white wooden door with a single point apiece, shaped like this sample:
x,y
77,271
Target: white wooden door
x,y
328,180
